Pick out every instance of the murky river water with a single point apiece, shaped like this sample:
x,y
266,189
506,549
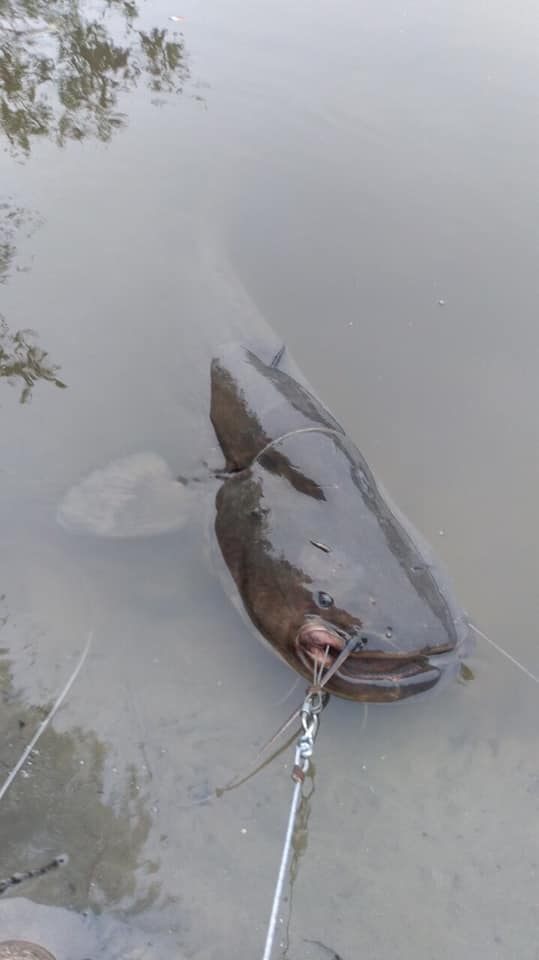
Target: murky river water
x,y
363,179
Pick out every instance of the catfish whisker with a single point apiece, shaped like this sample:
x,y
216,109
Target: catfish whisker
x,y
363,723
287,695
505,653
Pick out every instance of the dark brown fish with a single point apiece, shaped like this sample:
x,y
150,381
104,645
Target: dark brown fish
x,y
318,553
23,950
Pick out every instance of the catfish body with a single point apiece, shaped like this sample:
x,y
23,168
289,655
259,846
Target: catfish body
x,y
317,551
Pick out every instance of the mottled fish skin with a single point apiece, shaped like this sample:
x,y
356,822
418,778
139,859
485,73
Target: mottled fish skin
x,y
301,520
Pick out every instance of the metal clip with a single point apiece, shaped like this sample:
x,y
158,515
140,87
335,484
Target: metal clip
x,y
310,712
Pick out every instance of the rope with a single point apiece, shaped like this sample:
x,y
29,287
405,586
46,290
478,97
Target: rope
x,y
318,687
270,937
310,714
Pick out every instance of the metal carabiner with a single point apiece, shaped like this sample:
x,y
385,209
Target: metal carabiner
x,y
310,712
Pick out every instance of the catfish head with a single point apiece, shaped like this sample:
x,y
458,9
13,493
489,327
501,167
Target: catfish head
x,y
320,566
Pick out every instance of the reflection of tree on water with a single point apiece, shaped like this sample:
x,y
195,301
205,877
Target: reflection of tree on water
x,y
23,362
56,806
64,63
10,221
14,220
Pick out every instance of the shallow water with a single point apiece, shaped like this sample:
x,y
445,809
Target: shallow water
x,y
361,179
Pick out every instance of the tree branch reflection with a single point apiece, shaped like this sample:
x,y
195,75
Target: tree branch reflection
x,y
23,362
14,220
64,66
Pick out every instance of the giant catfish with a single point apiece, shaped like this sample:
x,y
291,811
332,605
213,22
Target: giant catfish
x,y
317,551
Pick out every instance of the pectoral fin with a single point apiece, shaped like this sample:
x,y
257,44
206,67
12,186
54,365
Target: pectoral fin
x,y
135,496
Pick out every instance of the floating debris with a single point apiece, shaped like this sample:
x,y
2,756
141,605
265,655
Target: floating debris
x,y
320,545
17,878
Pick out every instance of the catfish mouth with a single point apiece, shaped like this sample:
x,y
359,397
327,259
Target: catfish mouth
x,y
317,645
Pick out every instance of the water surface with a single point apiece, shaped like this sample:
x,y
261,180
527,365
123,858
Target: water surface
x,y
361,179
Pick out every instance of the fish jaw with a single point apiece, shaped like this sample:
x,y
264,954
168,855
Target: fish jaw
x,y
367,676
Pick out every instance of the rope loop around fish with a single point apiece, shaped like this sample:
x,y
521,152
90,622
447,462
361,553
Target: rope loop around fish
x,y
310,712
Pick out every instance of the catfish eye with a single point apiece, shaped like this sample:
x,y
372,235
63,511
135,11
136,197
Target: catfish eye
x,y
324,600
